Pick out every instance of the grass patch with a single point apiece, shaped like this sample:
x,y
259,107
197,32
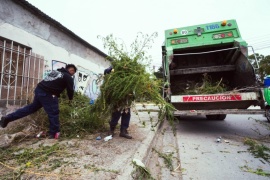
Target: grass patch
x,y
75,118
93,168
258,150
141,172
258,171
167,158
21,161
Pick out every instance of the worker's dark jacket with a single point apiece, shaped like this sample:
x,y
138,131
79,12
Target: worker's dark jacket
x,y
108,70
57,81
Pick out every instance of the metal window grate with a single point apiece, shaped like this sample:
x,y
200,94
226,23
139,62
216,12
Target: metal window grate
x,y
20,71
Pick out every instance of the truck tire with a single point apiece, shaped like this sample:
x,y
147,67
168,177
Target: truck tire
x,y
216,117
211,117
221,116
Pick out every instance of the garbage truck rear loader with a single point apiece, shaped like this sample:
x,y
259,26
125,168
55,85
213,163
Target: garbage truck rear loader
x,y
212,56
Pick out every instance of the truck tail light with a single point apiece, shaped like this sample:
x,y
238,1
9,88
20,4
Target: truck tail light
x,y
230,34
223,35
179,41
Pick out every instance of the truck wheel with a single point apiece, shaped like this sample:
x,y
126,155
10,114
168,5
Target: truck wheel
x,y
267,113
216,117
211,117
221,116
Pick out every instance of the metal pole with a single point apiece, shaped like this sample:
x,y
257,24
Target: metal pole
x,y
3,62
34,71
24,51
16,75
38,68
28,78
9,72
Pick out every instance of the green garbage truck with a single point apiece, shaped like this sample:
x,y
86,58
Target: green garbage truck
x,y
207,71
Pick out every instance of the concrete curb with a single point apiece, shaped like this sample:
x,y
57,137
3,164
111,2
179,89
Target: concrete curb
x,y
142,152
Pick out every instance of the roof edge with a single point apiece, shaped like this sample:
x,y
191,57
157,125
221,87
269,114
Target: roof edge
x,y
25,4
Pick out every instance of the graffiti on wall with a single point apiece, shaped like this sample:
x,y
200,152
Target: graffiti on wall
x,y
87,82
47,69
57,64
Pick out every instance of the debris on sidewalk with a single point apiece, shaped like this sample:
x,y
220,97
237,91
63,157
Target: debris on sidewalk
x,y
107,138
39,134
98,138
141,172
218,140
138,162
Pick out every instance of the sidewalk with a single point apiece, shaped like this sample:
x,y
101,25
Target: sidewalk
x,y
89,158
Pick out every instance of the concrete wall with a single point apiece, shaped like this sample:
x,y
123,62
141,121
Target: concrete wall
x,y
20,25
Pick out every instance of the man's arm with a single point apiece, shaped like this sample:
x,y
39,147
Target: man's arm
x,y
70,87
108,70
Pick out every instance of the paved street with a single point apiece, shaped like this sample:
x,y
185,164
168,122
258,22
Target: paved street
x,y
202,157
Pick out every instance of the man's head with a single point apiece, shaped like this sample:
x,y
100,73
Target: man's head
x,y
71,68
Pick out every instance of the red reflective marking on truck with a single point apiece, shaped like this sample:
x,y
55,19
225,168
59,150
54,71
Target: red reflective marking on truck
x,y
210,98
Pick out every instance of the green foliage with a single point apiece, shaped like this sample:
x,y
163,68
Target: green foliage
x,y
264,65
258,171
141,172
258,150
25,159
166,157
77,118
129,81
207,87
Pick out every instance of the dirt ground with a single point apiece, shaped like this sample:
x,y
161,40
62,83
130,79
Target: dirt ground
x,y
78,158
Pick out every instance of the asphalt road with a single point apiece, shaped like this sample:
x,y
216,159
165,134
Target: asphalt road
x,y
203,158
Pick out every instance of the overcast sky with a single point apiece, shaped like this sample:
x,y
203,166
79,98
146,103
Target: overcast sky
x,y
125,18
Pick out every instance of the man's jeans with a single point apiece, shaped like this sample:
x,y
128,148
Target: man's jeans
x,y
42,99
125,118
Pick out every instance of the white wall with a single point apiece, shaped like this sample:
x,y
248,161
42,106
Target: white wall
x,y
19,25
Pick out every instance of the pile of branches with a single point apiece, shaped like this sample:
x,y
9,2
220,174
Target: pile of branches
x,y
129,81
207,86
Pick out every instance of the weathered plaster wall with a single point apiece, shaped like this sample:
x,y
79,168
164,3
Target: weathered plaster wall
x,y
20,25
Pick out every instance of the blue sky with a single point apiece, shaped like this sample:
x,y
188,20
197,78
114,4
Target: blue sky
x,y
125,18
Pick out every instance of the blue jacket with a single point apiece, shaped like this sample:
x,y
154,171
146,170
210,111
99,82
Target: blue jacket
x,y
57,81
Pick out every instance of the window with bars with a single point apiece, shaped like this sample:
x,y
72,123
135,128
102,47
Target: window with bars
x,y
20,71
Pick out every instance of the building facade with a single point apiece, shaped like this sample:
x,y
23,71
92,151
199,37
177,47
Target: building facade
x,y
32,44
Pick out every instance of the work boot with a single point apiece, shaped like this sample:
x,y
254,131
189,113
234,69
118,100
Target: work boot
x,y
4,122
124,133
112,129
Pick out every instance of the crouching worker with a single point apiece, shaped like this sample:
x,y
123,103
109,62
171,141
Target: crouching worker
x,y
123,113
46,96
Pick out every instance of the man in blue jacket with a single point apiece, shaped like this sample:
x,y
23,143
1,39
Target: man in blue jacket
x,y
46,96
